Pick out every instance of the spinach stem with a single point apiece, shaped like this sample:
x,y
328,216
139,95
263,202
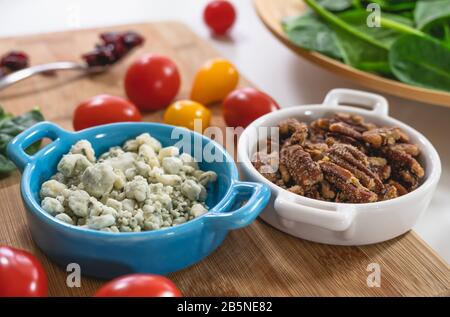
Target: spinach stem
x,y
400,27
446,32
333,19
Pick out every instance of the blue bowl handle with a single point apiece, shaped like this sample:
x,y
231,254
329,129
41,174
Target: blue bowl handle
x,y
16,148
243,216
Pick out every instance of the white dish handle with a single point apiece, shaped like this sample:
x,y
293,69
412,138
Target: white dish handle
x,y
376,103
291,212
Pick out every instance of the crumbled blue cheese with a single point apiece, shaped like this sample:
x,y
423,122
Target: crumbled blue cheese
x,y
140,186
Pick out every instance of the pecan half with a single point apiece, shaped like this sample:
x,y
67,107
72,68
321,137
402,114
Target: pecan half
x,y
316,150
401,160
326,190
347,183
357,163
284,172
317,135
301,167
356,121
380,166
384,136
390,192
314,193
401,190
322,123
266,165
411,149
345,129
296,190
333,138
297,132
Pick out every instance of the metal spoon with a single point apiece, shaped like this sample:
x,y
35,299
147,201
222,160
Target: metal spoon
x,y
22,74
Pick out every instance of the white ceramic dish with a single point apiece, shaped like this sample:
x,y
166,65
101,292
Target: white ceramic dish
x,y
340,223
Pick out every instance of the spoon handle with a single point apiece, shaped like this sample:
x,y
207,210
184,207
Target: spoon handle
x,y
22,74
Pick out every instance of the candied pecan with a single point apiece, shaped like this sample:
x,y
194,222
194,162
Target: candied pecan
x,y
301,167
380,166
390,192
356,121
342,159
280,183
384,136
377,161
347,183
313,193
357,163
401,190
323,124
296,132
285,176
333,138
345,129
340,198
266,165
409,179
401,160
288,126
349,118
296,190
326,190
299,137
411,149
316,150
317,135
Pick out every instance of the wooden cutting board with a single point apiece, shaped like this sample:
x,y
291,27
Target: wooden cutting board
x,y
255,261
272,13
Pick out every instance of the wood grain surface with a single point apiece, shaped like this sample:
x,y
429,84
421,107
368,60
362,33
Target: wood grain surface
x,y
272,13
255,261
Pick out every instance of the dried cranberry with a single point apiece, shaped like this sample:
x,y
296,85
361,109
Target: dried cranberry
x,y
119,50
111,37
14,60
91,58
114,46
106,54
132,39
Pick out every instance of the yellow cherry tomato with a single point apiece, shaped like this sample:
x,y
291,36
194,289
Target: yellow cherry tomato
x,y
214,81
184,113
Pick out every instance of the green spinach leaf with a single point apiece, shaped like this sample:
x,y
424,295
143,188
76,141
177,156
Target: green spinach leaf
x,y
421,61
361,54
310,32
384,35
433,17
6,166
10,127
359,49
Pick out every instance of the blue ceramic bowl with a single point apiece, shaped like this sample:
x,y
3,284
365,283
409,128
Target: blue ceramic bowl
x,y
106,255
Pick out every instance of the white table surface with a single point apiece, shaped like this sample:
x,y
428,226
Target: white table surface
x,y
258,56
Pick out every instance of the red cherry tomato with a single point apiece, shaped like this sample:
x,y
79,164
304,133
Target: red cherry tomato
x,y
152,82
219,15
139,285
103,109
21,274
242,106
